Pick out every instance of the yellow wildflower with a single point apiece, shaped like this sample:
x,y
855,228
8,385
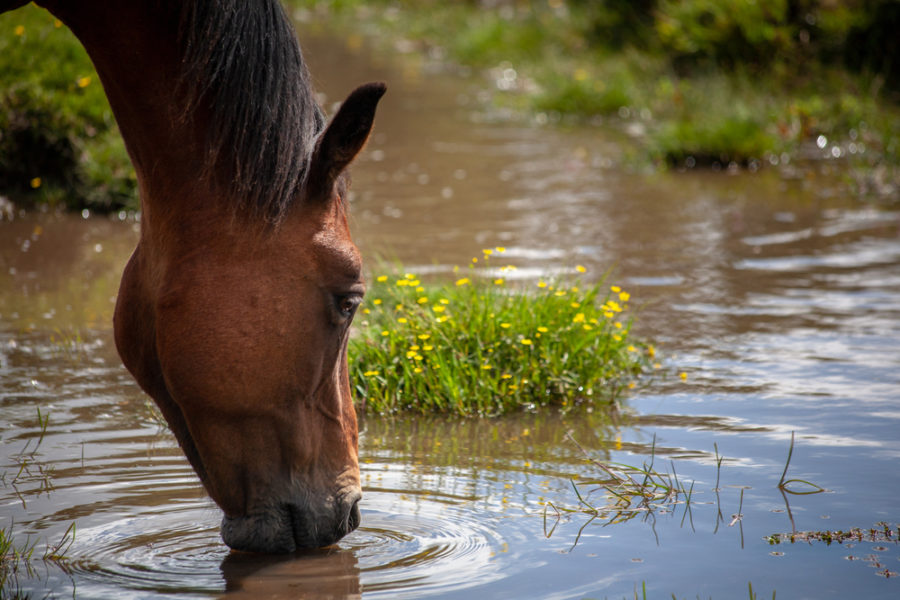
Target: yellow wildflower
x,y
506,376
438,308
463,281
615,289
83,82
402,320
526,342
423,336
683,376
624,296
579,318
35,183
500,249
542,284
580,268
498,281
382,278
422,300
376,301
543,329
370,373
505,325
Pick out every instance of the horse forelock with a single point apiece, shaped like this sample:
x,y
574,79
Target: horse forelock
x,y
241,61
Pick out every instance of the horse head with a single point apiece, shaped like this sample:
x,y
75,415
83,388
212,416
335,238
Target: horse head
x,y
249,364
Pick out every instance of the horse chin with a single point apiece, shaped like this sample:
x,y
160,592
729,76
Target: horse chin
x,y
290,527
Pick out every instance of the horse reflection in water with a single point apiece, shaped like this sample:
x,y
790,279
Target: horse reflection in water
x,y
233,312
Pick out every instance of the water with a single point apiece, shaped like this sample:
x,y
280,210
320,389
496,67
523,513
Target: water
x,y
779,298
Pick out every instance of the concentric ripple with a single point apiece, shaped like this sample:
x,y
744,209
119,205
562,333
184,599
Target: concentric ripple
x,y
414,547
176,552
424,545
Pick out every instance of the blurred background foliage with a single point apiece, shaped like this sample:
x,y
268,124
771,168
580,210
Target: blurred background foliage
x,y
709,82
59,143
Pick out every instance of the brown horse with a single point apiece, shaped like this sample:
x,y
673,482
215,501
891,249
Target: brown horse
x,y
233,312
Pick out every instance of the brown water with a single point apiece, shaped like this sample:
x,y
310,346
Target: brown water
x,y
778,296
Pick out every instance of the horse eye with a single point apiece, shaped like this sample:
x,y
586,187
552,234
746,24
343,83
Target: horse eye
x,y
347,304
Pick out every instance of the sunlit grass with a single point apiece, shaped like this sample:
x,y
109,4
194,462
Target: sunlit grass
x,y
478,346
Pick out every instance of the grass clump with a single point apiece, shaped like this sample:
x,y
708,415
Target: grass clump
x,y
475,346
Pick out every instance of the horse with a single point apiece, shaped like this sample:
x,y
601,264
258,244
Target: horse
x,y
234,309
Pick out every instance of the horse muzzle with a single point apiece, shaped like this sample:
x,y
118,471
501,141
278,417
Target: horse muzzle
x,y
291,527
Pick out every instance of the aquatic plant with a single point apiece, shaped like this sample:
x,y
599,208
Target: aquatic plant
x,y
628,491
19,559
480,346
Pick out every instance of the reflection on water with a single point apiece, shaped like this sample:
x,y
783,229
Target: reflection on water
x,y
781,303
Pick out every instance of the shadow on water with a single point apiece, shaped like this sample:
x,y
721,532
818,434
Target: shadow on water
x,y
777,297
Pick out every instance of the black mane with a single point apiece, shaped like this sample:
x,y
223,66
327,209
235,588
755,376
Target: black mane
x,y
242,60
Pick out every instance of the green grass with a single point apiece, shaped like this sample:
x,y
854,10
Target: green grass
x,y
59,143
480,346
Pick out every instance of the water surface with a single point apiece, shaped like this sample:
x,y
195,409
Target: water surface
x,y
778,297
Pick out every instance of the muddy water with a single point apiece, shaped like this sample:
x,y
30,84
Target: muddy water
x,y
778,297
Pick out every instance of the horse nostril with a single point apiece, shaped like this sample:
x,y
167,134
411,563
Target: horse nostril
x,y
354,517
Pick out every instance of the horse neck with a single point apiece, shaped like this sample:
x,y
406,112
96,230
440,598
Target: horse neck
x,y
134,49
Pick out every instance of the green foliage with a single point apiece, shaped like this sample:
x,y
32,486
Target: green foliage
x,y
704,142
58,139
475,347
580,94
728,33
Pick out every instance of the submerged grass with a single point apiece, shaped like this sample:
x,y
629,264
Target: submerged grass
x,y
18,558
479,346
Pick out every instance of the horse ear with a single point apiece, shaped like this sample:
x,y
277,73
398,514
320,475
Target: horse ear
x,y
343,139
